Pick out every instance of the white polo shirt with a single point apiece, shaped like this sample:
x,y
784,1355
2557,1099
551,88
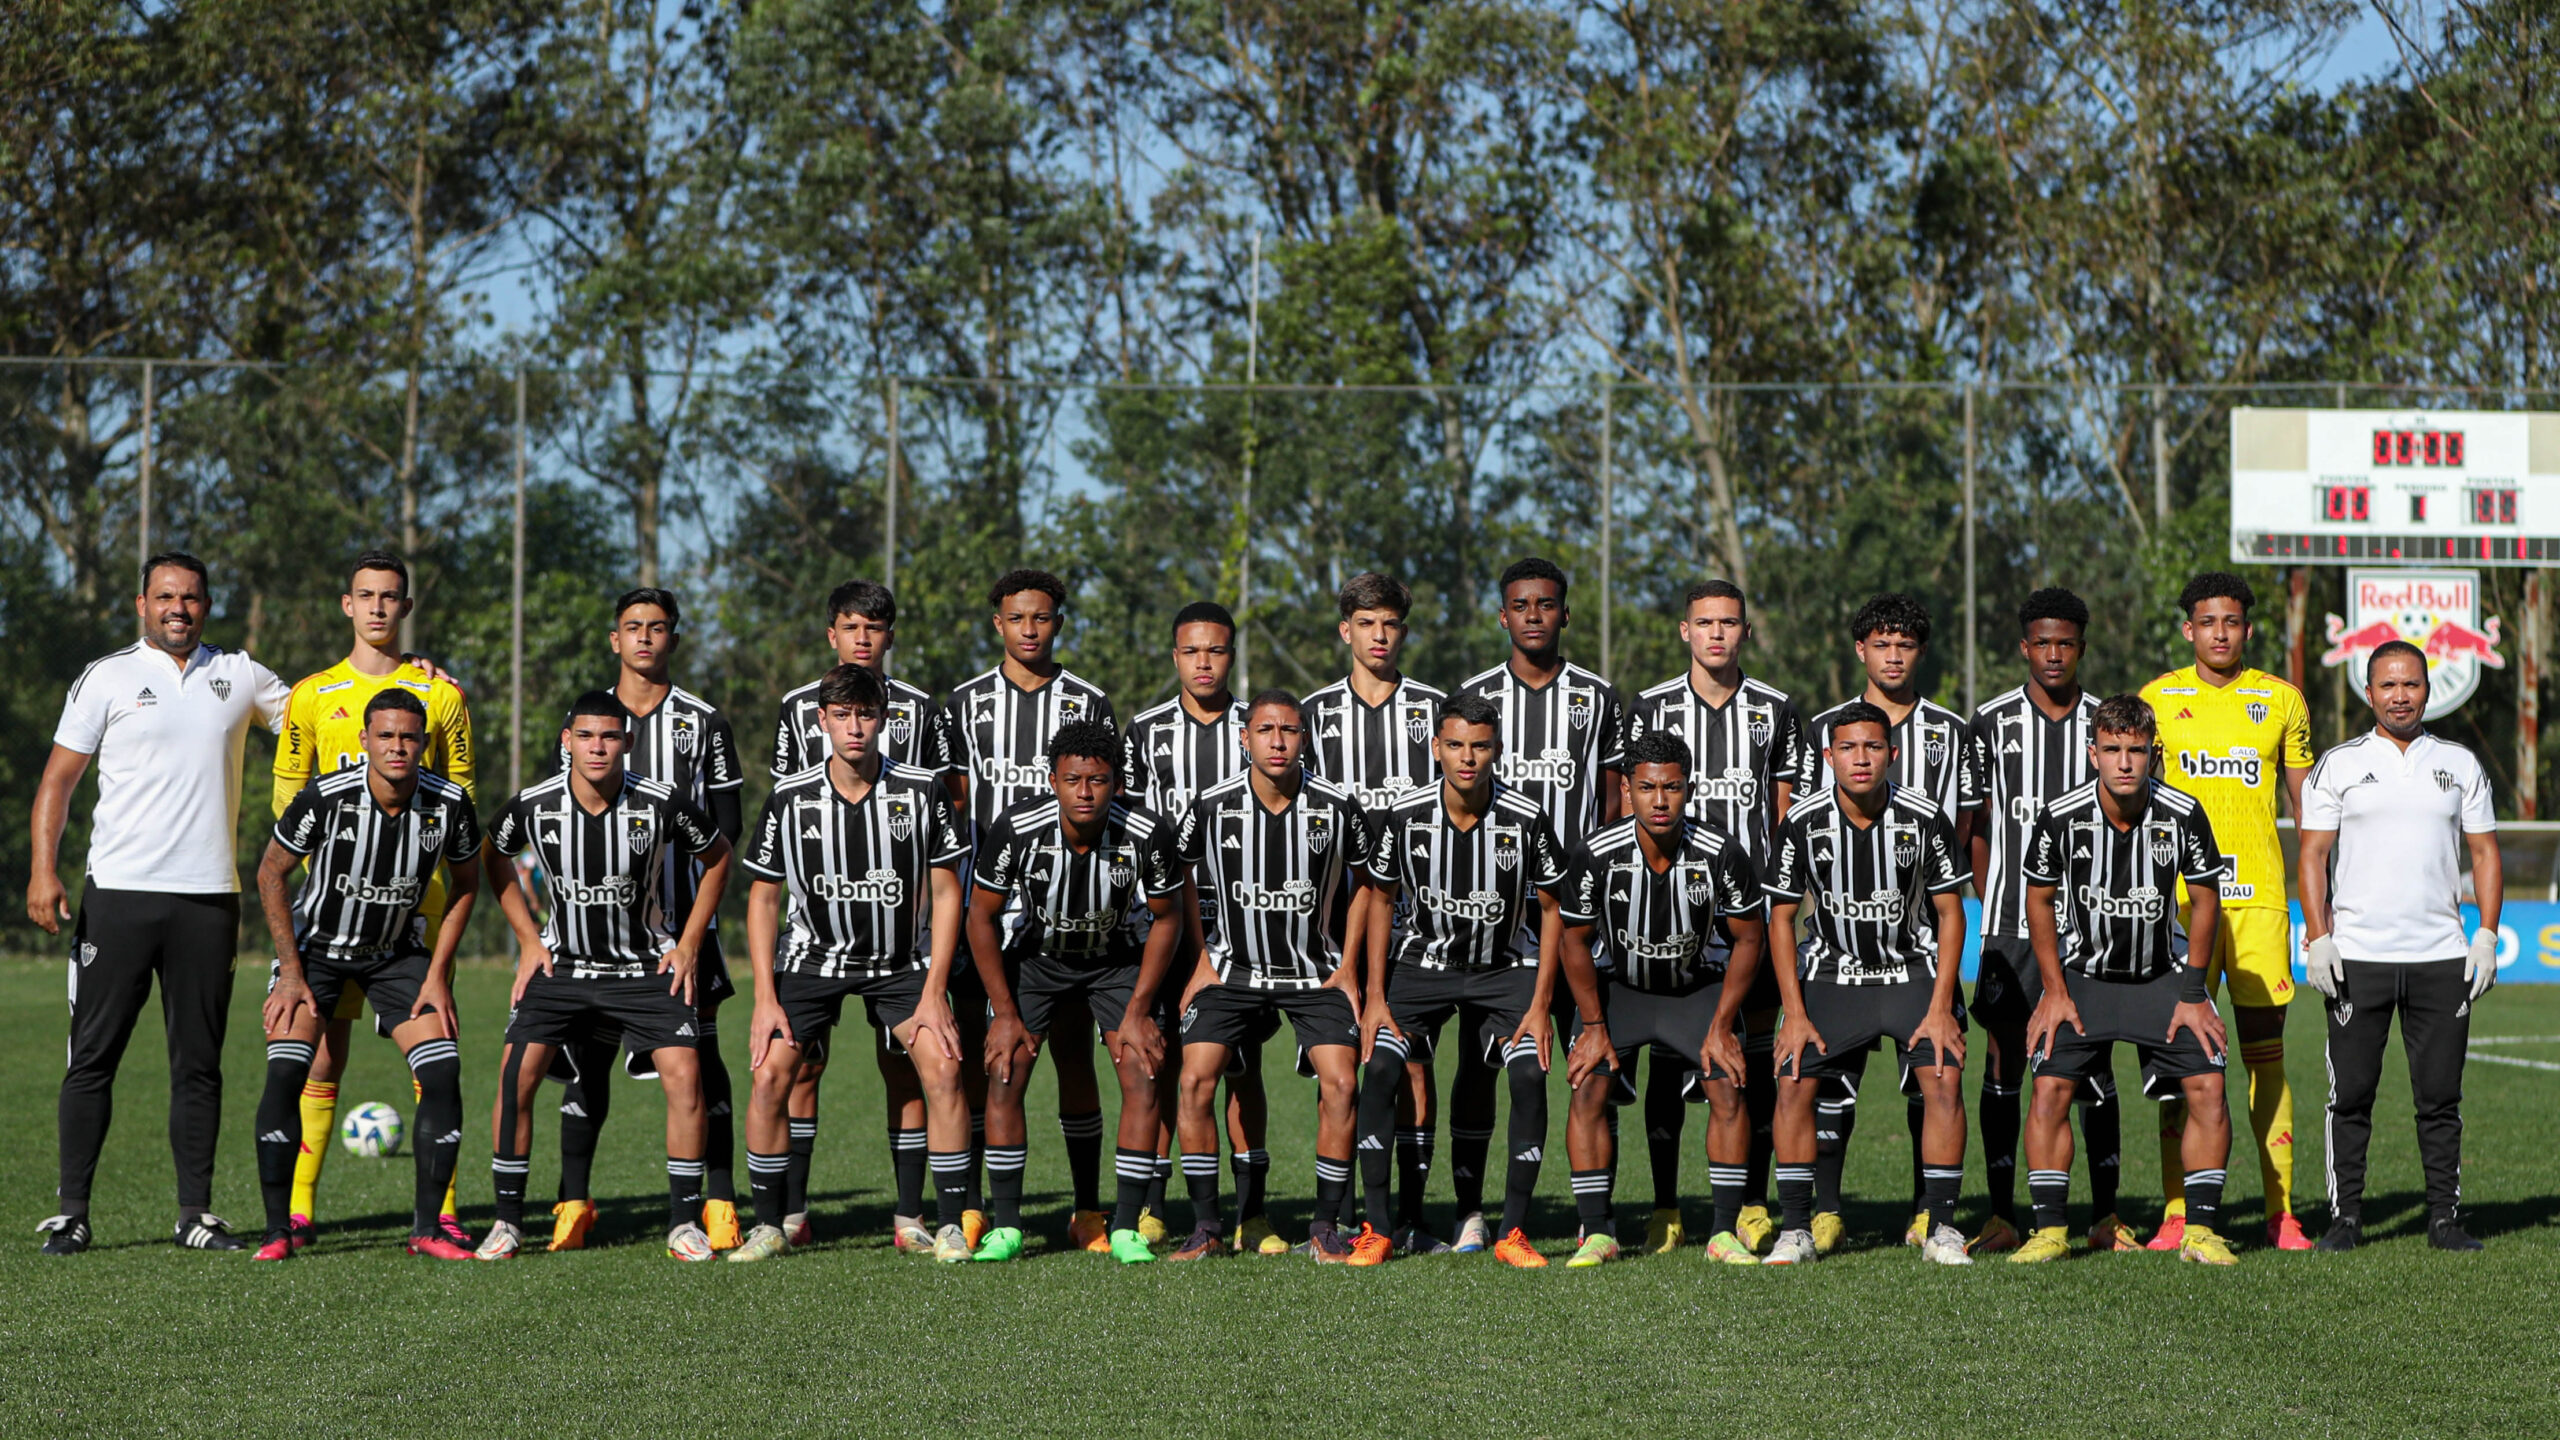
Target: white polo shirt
x,y
2396,877
167,743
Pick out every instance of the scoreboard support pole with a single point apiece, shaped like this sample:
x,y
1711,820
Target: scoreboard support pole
x,y
2297,604
2529,644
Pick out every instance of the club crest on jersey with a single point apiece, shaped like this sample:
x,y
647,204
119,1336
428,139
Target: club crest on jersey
x,y
1417,723
1905,840
681,727
2257,712
902,819
430,832
1933,739
221,689
639,832
1319,833
1119,867
2444,781
1577,708
1070,709
1506,847
1695,885
2164,845
1760,722
902,722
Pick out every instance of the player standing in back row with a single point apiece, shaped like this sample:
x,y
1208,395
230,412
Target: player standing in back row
x,y
2235,738
1748,746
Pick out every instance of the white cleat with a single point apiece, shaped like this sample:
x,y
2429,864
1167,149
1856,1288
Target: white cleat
x,y
1473,1235
501,1243
688,1242
1795,1247
1945,1246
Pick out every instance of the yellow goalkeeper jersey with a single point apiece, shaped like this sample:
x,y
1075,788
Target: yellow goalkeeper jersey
x,y
324,726
2224,745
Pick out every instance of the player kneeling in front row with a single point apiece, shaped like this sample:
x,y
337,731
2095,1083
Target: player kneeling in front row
x,y
1878,960
604,966
374,835
852,845
1274,852
2115,964
1077,903
1670,903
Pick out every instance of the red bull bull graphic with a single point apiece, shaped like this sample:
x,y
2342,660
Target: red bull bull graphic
x,y
2436,610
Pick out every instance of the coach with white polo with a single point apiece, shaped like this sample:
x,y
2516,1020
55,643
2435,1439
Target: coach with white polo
x,y
2386,819
167,720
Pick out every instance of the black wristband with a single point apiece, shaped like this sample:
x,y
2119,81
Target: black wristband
x,y
2191,987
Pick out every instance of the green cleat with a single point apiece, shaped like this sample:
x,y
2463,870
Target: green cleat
x,y
1002,1243
1131,1248
1727,1248
1596,1250
762,1243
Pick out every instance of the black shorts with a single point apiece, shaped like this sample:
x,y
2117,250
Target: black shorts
x,y
2136,1012
389,981
711,985
1044,988
1240,1017
2007,984
1853,1018
560,1011
1487,1004
813,1005
1673,1023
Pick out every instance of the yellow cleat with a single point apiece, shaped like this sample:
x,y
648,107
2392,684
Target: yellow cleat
x,y
1827,1230
1256,1237
2110,1233
1918,1233
1151,1228
1998,1236
973,1226
571,1221
720,1223
1664,1232
1754,1228
2049,1243
2202,1247
1090,1230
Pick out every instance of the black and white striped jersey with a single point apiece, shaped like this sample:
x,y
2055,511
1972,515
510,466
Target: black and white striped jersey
x,y
1661,930
1173,758
857,876
1273,888
1376,752
1934,756
1088,907
1865,915
370,868
610,919
2029,760
1556,739
685,744
1739,751
910,735
2116,891
1471,893
999,735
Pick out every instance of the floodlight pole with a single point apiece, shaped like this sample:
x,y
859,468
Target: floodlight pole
x,y
1244,562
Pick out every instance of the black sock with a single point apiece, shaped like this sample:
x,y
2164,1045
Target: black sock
x,y
1831,1120
1083,1132
280,1127
1159,1178
1726,1184
769,1180
1333,1190
2050,1192
1467,1151
437,1067
585,1100
1413,1172
1528,1137
804,1150
1795,1197
1665,1113
2000,1147
1760,1103
1939,1184
1376,1119
1134,1169
684,1192
719,1129
2204,1199
1253,1179
977,1154
1913,1117
2102,1137
907,1157
507,1167
1591,1203
1200,1180
1005,1164
953,1177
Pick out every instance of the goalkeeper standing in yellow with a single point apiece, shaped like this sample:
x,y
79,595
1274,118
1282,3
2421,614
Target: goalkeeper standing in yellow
x,y
2232,737
324,728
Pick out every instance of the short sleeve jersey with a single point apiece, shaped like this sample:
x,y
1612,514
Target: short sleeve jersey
x,y
1271,885
369,867
169,740
1738,751
2223,745
609,918
856,875
687,745
1934,755
2115,889
1084,907
1376,752
1867,916
324,727
2400,815
1172,757
1663,930
2030,760
1473,891
999,735
910,734
1556,739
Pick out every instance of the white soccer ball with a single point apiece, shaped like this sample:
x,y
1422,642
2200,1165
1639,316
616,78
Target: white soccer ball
x,y
372,1129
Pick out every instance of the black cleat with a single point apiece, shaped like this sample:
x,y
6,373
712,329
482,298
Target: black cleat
x,y
65,1235
2344,1234
2444,1232
208,1231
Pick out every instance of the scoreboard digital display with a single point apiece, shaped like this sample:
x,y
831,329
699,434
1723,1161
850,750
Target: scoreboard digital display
x,y
2405,487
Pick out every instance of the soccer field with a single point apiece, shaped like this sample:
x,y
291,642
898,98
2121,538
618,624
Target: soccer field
x,y
852,1337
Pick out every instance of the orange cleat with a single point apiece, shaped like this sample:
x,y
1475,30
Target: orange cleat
x,y
1514,1249
1371,1248
2172,1234
2285,1233
1090,1230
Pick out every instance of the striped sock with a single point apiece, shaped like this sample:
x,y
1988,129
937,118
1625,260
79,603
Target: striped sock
x,y
1083,1132
767,1177
954,1175
684,1192
1005,1164
804,1150
1333,1189
1134,1169
507,1175
2049,1191
907,1157
1159,1177
2204,1198
280,1133
1253,1179
1938,1187
1591,1203
1200,1179
1726,1184
1795,1196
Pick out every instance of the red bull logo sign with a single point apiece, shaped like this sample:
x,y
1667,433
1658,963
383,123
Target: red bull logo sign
x,y
2436,610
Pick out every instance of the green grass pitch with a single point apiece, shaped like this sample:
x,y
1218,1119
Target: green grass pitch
x,y
854,1338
